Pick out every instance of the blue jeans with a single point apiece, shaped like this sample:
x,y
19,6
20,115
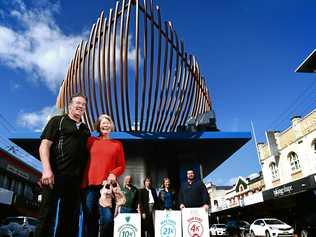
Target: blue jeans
x,y
93,214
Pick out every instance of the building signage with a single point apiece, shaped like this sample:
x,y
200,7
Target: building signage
x,y
291,188
286,190
18,172
168,224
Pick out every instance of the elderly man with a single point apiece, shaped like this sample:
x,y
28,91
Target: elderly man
x,y
131,195
63,155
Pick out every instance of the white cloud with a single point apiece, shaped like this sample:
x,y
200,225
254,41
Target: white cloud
x,y
36,120
37,45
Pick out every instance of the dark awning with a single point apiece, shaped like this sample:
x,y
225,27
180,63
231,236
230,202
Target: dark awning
x,y
209,148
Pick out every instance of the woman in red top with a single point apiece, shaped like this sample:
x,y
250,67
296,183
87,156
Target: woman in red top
x,y
106,163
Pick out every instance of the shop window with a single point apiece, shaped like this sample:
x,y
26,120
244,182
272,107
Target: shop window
x,y
241,188
6,182
1,180
274,171
294,162
20,188
28,192
314,146
14,185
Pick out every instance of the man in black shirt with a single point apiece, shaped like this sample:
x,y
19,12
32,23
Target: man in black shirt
x,y
193,193
63,154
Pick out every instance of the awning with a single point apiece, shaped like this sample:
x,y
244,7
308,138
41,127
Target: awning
x,y
209,148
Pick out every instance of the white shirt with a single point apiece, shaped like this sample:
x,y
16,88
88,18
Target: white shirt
x,y
151,198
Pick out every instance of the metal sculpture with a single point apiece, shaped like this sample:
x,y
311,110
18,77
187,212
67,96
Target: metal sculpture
x,y
150,85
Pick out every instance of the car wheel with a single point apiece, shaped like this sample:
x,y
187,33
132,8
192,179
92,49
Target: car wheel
x,y
304,233
252,234
267,234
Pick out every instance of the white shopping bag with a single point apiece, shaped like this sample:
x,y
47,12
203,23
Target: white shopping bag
x,y
168,224
195,222
127,225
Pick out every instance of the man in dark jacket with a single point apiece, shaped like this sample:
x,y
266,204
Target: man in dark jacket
x,y
193,193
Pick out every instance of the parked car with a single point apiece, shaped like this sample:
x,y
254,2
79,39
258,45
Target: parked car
x,y
20,226
270,227
217,229
237,228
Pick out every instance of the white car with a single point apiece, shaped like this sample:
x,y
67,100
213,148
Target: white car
x,y
270,227
217,229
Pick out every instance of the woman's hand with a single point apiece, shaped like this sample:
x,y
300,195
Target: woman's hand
x,y
111,177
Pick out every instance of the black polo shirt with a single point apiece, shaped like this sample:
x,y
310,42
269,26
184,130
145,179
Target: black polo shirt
x,y
68,154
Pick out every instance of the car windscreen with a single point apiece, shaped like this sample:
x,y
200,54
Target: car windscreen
x,y
273,222
14,220
32,221
220,226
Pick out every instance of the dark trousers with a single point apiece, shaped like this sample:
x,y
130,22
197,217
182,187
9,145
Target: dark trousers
x,y
148,222
93,214
67,191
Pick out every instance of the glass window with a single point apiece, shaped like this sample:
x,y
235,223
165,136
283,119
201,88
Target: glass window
x,y
28,192
274,170
274,222
314,145
12,185
241,188
294,162
7,182
20,188
257,222
2,180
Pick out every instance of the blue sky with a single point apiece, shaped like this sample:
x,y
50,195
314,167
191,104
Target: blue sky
x,y
247,51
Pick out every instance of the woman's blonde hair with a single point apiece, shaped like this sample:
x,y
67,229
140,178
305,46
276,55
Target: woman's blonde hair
x,y
163,182
98,122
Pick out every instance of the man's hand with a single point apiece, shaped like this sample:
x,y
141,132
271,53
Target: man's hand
x,y
181,206
48,178
47,174
205,206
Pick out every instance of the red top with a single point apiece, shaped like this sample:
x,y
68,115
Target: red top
x,y
106,156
